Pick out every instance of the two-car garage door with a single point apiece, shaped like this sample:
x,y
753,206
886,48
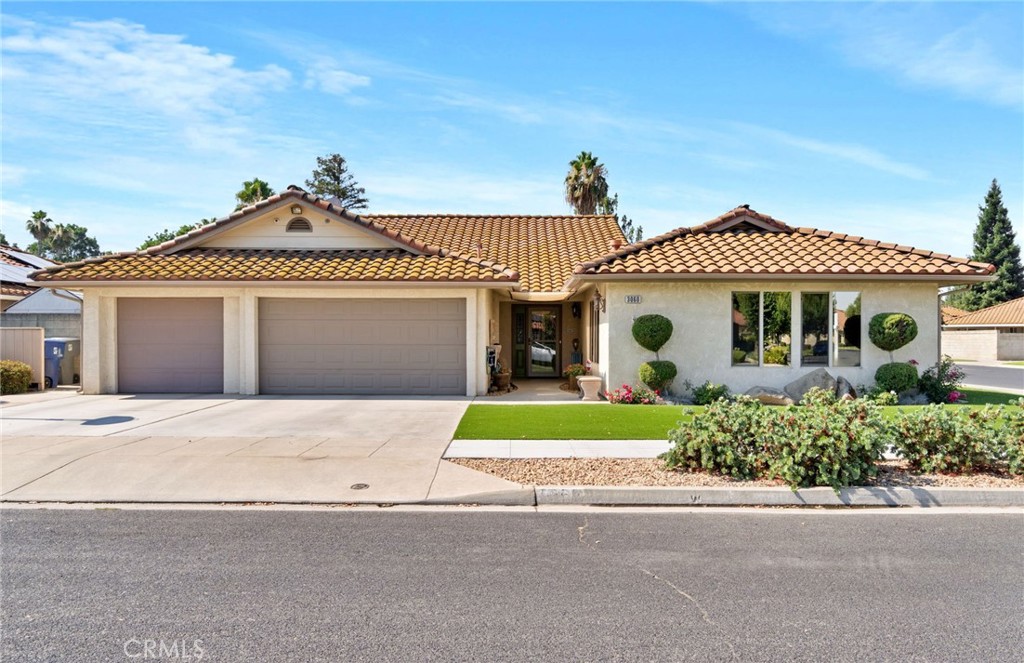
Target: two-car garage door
x,y
362,346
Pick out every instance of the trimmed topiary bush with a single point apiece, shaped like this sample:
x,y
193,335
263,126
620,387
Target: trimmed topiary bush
x,y
658,374
891,331
15,377
898,377
652,331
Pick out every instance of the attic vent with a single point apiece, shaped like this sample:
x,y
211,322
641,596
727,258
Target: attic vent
x,y
299,226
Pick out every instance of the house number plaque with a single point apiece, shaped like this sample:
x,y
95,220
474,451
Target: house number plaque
x,y
633,299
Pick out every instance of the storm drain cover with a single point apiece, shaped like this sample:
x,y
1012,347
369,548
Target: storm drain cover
x,y
359,486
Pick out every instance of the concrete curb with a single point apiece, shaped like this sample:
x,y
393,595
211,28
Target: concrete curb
x,y
525,496
859,496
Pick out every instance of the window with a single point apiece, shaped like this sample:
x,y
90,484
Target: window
x,y
299,226
761,328
830,325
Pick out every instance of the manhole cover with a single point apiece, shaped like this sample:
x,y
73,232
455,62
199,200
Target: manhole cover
x,y
359,486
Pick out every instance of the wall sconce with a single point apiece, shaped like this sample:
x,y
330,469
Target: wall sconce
x,y
296,209
599,301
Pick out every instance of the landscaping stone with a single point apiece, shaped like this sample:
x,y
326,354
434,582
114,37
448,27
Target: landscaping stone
x,y
769,396
909,398
816,378
844,389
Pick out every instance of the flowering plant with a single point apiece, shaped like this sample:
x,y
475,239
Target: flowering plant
x,y
941,381
956,397
577,370
632,396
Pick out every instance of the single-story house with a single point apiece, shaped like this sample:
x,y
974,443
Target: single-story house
x,y
57,311
15,267
294,295
993,333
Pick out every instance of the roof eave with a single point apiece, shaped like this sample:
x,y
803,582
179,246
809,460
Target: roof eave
x,y
204,283
577,279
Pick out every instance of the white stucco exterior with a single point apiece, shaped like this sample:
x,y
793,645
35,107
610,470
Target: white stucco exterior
x,y
701,314
241,327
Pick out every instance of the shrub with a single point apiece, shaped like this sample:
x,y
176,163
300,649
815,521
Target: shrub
x,y
851,331
885,397
575,370
652,331
776,354
1012,448
898,377
658,375
826,443
936,438
891,331
941,380
627,395
738,355
15,377
709,392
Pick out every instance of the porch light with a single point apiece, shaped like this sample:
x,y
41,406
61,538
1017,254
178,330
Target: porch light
x,y
599,301
296,209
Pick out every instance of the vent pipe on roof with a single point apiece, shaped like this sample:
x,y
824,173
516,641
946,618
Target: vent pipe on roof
x,y
479,250
615,244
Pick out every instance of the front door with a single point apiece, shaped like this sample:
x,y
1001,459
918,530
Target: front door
x,y
537,342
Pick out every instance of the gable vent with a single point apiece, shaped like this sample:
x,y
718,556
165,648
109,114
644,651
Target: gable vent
x,y
299,226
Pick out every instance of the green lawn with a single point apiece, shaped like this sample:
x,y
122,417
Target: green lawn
x,y
570,422
1015,363
981,397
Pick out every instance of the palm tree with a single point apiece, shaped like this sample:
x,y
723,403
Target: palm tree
x,y
253,192
585,184
39,226
59,239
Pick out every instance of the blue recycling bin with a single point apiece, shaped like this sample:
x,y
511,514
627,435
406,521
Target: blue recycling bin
x,y
54,354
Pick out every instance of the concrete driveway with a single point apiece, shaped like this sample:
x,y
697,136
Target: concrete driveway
x,y
181,448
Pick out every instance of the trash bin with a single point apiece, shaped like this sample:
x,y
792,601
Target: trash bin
x,y
54,353
62,361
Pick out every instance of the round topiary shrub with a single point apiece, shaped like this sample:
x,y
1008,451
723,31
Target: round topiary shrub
x,y
898,377
15,377
851,331
652,331
658,375
891,331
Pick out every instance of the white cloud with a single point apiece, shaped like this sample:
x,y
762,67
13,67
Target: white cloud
x,y
859,154
326,75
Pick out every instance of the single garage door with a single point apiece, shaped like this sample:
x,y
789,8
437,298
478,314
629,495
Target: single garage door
x,y
170,345
362,346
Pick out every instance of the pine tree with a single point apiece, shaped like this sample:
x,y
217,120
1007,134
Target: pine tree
x,y
995,243
331,179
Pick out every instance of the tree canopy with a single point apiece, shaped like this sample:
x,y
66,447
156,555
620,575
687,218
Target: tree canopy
x,y
167,235
253,191
611,206
994,243
59,242
585,183
331,179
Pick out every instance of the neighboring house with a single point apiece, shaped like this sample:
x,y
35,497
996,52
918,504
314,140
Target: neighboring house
x,y
993,333
295,295
950,312
15,267
58,312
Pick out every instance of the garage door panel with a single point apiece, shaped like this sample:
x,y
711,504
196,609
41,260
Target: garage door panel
x,y
363,346
170,345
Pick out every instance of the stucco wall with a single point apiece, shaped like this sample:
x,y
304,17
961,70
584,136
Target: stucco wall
x,y
977,344
701,313
55,324
241,328
1011,346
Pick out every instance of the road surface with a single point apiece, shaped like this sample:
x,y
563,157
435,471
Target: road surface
x,y
361,585
1000,377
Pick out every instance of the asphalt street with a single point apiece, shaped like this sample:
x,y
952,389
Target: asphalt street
x,y
1000,377
464,584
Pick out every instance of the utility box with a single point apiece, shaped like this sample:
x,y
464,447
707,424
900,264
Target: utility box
x,y
63,361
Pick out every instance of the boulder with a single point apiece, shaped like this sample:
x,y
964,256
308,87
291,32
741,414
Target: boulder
x,y
819,377
769,396
845,390
907,398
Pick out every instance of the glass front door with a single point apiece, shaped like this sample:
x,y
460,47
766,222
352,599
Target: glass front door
x,y
543,352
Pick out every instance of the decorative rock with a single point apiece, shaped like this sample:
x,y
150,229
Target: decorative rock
x,y
917,399
845,390
769,396
819,377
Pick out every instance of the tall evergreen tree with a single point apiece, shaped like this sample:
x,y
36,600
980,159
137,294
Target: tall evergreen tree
x,y
585,184
331,179
611,206
995,243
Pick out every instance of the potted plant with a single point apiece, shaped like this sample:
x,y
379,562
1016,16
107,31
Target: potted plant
x,y
501,376
574,371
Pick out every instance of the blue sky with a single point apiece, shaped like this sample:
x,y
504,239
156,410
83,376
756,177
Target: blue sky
x,y
883,120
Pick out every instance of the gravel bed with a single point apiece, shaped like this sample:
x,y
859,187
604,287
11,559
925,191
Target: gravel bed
x,y
652,472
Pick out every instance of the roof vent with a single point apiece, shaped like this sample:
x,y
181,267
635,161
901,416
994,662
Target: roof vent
x,y
479,250
615,244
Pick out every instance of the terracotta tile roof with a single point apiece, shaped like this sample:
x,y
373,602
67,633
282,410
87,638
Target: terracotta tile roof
x,y
543,249
950,312
743,242
1009,313
274,265
16,290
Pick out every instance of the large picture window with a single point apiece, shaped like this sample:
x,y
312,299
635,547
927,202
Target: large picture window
x,y
830,326
761,328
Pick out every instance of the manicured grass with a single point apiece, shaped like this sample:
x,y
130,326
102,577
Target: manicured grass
x,y
570,422
1015,363
982,397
